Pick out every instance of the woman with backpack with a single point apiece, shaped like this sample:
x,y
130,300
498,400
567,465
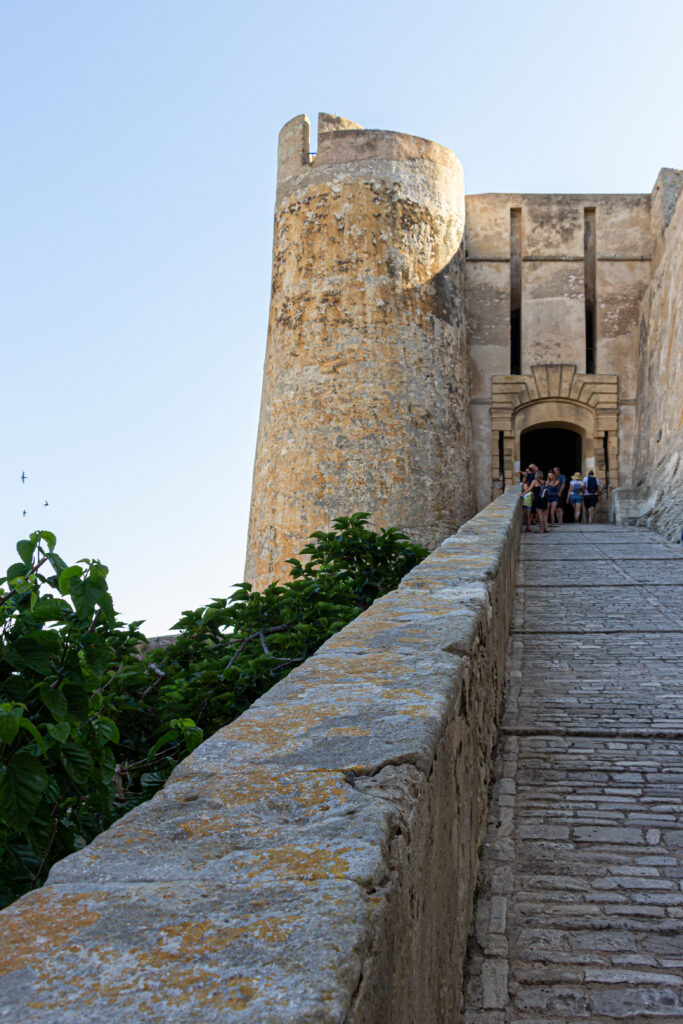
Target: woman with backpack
x,y
576,495
591,492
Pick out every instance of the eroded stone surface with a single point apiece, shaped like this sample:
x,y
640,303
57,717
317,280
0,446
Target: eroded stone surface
x,y
365,401
659,462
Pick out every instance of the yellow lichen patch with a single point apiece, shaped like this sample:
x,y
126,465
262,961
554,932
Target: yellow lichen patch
x,y
250,787
171,966
41,923
242,993
289,861
280,724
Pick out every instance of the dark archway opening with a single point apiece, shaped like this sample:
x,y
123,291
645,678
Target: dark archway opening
x,y
552,446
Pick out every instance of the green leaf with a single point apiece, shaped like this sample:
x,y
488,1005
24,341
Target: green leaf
x,y
171,734
66,576
57,563
34,655
26,549
23,780
28,726
10,719
105,730
77,698
17,569
107,767
59,732
77,762
49,539
107,606
50,609
54,700
85,596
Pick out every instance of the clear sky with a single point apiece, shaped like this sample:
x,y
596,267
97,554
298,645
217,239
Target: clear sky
x,y
137,181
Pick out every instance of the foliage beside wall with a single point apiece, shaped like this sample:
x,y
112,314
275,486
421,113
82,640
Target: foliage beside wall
x,y
92,721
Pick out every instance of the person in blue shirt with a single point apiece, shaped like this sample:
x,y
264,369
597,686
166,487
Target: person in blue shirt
x,y
562,488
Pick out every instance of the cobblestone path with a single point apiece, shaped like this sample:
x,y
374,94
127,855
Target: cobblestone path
x,y
580,909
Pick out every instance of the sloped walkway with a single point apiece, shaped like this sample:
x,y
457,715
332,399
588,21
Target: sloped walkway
x,y
580,910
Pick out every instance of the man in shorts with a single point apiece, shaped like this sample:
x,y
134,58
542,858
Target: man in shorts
x,y
591,492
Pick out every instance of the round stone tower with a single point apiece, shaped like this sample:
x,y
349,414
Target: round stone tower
x,y
365,404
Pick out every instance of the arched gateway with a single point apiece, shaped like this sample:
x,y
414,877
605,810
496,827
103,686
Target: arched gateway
x,y
553,398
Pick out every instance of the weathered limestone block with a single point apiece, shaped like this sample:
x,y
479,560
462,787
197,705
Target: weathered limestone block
x,y
365,403
553,307
313,862
621,285
622,226
553,227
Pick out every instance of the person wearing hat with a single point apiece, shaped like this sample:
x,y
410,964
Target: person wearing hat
x,y
576,495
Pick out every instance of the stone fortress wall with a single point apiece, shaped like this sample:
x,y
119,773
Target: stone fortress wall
x,y
418,335
659,451
553,303
313,862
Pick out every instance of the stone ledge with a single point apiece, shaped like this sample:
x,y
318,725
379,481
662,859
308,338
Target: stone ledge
x,y
313,861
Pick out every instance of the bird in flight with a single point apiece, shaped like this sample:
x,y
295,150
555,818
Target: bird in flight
x,y
24,478
24,512
45,504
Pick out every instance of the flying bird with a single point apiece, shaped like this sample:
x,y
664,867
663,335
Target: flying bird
x,y
45,504
24,512
24,478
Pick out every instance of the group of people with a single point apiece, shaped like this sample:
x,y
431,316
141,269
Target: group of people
x,y
544,498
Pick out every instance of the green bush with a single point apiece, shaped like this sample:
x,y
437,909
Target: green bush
x,y
92,722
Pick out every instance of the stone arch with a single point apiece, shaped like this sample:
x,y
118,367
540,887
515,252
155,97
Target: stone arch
x,y
556,412
555,395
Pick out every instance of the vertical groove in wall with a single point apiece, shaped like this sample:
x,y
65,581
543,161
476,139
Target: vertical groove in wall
x,y
589,273
501,459
515,291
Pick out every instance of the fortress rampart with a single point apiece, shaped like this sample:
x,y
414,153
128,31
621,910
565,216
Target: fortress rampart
x,y
314,861
365,402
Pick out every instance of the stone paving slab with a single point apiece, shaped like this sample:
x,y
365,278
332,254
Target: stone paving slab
x,y
626,572
580,912
597,683
607,610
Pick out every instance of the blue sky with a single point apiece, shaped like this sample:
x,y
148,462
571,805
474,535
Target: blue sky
x,y
137,178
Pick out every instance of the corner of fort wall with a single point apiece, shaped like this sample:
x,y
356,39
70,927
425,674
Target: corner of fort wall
x,y
315,861
659,432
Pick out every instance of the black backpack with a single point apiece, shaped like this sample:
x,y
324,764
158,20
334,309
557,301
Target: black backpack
x,y
592,485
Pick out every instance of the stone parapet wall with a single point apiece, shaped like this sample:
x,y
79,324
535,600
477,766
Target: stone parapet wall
x,y
314,861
